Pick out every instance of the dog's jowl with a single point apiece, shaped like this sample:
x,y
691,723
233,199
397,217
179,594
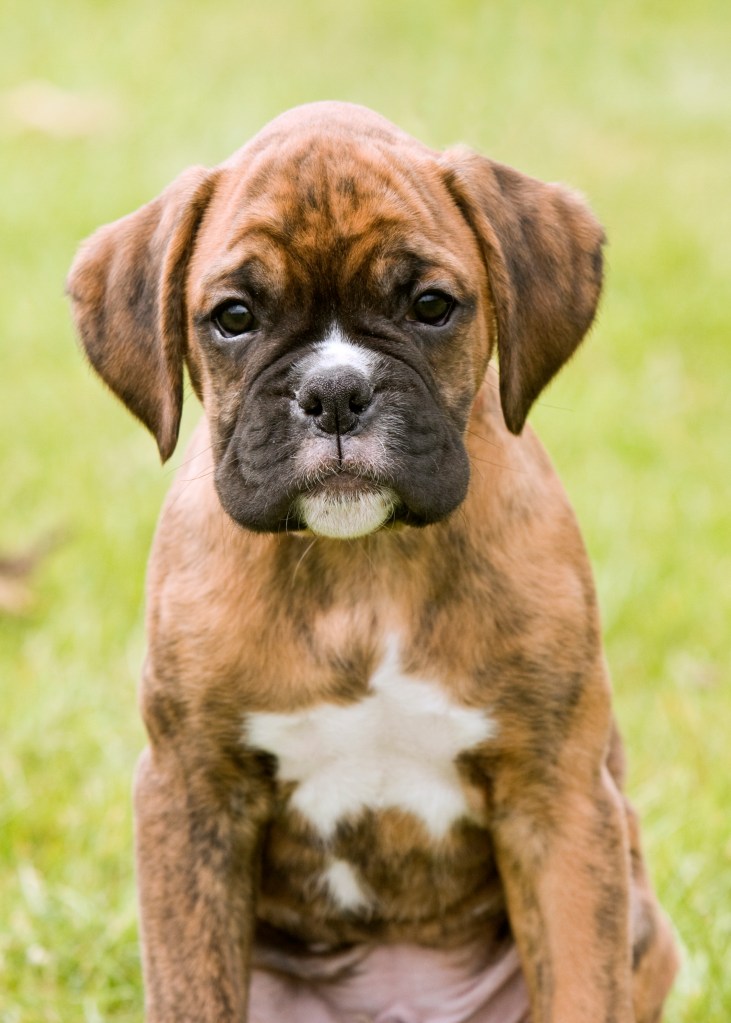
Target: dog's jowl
x,y
383,781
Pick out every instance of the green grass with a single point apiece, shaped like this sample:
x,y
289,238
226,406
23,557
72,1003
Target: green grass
x,y
628,101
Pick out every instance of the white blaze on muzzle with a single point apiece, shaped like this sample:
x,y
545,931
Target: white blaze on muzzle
x,y
336,350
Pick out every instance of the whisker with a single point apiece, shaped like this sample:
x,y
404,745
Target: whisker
x,y
309,547
179,465
486,440
200,476
497,465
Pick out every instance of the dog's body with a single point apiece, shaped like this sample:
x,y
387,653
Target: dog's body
x,y
381,748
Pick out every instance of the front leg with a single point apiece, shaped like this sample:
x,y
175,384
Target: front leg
x,y
196,863
563,854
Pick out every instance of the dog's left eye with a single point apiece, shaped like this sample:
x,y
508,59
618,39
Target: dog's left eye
x,y
233,318
432,308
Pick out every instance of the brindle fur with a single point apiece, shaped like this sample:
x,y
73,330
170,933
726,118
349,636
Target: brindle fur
x,y
333,212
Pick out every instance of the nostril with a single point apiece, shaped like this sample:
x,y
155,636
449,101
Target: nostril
x,y
360,397
312,406
309,398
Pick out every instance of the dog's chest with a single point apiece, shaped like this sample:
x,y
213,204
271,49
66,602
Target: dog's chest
x,y
396,748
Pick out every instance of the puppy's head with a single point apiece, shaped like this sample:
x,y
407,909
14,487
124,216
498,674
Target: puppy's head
x,y
336,290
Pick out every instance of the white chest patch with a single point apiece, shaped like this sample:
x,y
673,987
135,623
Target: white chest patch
x,y
342,885
395,748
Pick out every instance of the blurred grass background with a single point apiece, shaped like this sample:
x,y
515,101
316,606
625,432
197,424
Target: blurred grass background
x,y
630,101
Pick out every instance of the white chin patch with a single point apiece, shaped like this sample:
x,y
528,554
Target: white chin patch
x,y
346,516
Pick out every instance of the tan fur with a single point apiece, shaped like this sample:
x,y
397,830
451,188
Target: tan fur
x,y
496,600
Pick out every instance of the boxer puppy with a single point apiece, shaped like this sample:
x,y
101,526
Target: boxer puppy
x,y
383,781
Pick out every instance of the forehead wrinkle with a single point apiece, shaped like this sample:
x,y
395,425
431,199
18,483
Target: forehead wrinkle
x,y
336,178
252,267
312,199
317,237
414,186
402,274
268,228
255,272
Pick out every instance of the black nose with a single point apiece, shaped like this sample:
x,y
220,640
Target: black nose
x,y
335,399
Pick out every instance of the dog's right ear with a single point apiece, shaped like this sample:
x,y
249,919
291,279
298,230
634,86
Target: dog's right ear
x,y
127,287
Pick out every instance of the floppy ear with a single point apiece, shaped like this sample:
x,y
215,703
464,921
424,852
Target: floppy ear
x,y
127,287
543,251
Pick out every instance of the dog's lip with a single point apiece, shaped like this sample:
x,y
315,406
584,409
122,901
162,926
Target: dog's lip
x,y
343,482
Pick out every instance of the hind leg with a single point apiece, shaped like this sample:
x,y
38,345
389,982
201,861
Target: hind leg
x,y
655,957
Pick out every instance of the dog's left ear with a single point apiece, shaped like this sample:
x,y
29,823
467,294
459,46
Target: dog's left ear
x,y
543,251
127,287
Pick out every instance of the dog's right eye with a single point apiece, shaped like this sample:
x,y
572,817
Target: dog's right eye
x,y
233,318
